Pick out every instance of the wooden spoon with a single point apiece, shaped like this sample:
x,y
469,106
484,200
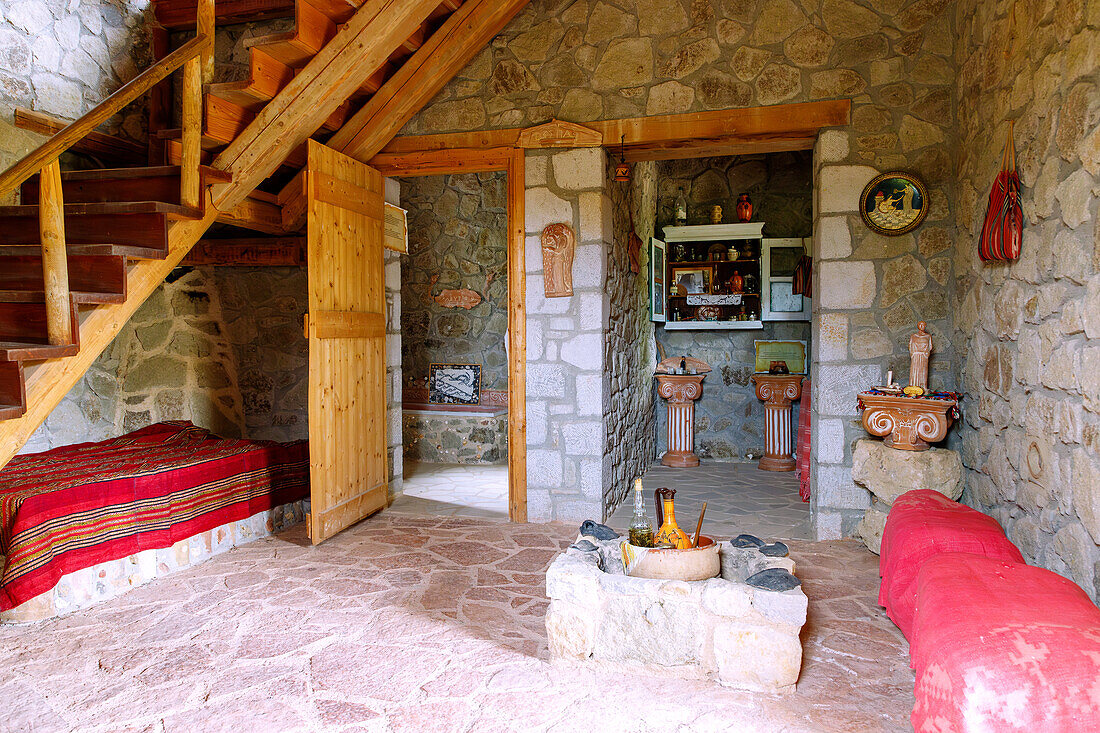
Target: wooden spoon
x,y
699,526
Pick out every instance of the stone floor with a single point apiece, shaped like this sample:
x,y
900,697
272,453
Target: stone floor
x,y
453,490
740,498
406,623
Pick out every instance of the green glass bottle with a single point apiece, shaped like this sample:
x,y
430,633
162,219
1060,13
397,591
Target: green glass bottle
x,y
641,530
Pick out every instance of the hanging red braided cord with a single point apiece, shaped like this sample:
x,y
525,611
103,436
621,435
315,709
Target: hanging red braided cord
x,y
1004,219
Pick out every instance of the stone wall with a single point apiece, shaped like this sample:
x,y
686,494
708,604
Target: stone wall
x,y
467,438
566,468
1030,330
457,241
602,59
263,309
729,420
630,352
172,361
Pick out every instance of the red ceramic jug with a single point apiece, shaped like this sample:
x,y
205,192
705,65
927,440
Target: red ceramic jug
x,y
744,208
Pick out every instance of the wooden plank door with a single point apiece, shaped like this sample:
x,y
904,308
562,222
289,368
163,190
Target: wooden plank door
x,y
346,328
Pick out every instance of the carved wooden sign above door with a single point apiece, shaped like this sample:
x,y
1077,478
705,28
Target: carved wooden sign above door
x,y
558,134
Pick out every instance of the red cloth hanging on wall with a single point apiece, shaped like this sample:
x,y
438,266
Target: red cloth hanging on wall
x,y
802,280
803,457
1004,219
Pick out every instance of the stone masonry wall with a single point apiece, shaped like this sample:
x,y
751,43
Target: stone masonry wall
x,y
729,420
63,58
1030,330
263,309
172,361
566,468
605,59
457,241
630,351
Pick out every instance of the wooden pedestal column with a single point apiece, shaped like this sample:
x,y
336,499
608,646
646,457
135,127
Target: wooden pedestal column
x,y
681,391
777,391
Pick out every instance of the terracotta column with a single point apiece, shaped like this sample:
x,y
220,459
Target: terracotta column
x,y
681,391
777,391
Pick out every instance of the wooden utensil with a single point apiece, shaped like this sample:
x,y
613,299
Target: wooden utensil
x,y
699,526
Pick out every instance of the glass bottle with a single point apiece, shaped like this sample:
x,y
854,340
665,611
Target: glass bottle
x,y
670,534
641,531
681,211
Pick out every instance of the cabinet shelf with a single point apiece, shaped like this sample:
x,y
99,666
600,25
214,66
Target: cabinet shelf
x,y
743,295
689,263
712,325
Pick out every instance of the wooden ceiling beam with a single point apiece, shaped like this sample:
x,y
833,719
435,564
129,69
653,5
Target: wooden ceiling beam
x,y
359,49
180,14
733,145
750,123
442,162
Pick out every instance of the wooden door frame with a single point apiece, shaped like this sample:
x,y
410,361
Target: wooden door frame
x,y
511,161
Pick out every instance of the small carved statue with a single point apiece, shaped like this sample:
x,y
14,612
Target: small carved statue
x,y
920,346
558,244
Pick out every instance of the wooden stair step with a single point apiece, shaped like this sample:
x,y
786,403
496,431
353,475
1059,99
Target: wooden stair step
x,y
119,185
91,250
135,224
312,30
23,330
338,11
266,77
13,390
79,297
88,274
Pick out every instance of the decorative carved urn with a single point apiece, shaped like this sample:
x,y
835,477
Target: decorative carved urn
x,y
777,391
681,390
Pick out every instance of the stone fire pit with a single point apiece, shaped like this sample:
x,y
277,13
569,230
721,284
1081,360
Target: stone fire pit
x,y
723,628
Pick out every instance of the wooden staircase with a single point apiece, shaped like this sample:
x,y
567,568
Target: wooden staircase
x,y
84,249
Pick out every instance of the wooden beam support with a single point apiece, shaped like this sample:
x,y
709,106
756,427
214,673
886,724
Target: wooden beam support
x,y
204,25
110,149
55,266
260,212
734,145
190,187
265,252
442,162
178,15
461,37
358,50
517,340
755,123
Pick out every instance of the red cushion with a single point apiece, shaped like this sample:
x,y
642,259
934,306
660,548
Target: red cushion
x,y
1001,646
924,523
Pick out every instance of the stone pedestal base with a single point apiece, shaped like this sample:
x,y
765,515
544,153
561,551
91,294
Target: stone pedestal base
x,y
888,473
681,391
777,391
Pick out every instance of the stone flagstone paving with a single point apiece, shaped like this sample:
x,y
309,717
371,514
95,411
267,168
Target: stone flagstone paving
x,y
408,623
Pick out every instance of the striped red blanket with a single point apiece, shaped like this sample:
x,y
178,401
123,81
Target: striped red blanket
x,y
76,506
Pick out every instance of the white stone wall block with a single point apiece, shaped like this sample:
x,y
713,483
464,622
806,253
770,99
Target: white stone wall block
x,y
595,210
839,187
539,507
532,254
834,238
584,351
740,649
536,169
542,207
579,169
589,394
544,468
576,510
831,338
832,146
591,480
835,488
570,630
536,422
846,285
583,438
538,303
594,311
589,269
788,607
837,384
830,442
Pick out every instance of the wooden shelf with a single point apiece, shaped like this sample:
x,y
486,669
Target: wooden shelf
x,y
753,295
702,263
712,325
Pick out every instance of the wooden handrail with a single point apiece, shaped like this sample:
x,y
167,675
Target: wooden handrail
x,y
59,143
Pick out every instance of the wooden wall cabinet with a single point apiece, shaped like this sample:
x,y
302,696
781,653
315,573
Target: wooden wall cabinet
x,y
777,262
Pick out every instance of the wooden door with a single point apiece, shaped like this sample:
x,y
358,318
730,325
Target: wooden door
x,y
346,328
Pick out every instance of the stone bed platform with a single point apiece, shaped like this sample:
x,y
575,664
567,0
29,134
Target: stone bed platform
x,y
107,580
724,629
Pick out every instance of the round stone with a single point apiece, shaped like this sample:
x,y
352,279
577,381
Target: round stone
x,y
776,579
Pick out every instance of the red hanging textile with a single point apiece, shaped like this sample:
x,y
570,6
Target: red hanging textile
x,y
1004,220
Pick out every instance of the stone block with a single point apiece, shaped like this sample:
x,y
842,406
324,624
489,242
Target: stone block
x,y
583,439
580,169
544,468
593,311
847,285
542,207
832,337
595,209
758,658
539,304
584,351
829,441
589,394
835,489
836,386
839,187
832,146
834,238
536,422
536,169
589,269
888,473
871,527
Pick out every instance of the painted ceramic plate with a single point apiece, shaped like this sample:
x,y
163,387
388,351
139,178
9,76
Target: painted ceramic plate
x,y
893,203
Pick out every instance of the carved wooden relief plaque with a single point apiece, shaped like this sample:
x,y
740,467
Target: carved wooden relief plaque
x,y
558,245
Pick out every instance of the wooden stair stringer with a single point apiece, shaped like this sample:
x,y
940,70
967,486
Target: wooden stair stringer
x,y
49,382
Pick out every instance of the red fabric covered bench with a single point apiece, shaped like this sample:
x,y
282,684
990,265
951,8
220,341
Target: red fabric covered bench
x,y
1002,646
922,524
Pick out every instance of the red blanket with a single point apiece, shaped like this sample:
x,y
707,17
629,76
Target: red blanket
x,y
76,506
923,523
1000,646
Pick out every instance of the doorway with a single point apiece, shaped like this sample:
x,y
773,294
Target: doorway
x,y
454,345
